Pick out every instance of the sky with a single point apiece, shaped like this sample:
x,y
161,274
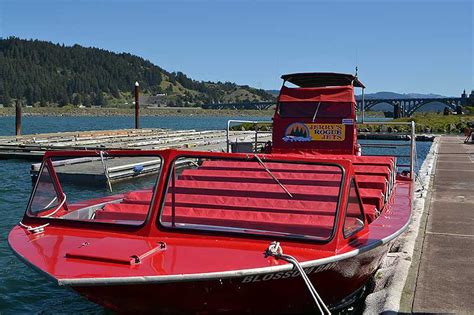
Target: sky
x,y
399,46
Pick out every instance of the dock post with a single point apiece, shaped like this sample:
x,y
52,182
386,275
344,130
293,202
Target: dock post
x,y
137,105
18,118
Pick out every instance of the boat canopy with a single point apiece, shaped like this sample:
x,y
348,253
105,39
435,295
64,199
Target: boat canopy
x,y
338,94
322,79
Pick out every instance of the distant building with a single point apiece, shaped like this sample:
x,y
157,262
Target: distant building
x,y
467,100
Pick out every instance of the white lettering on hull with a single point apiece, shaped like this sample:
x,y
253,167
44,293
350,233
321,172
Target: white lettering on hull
x,y
287,274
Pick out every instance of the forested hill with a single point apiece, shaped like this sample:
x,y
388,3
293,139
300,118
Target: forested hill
x,y
45,74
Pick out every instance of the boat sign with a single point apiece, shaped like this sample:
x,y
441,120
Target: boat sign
x,y
300,132
327,132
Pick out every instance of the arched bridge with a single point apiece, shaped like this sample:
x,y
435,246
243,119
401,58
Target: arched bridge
x,y
254,105
407,107
401,107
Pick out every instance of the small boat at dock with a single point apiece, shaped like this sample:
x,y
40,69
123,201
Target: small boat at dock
x,y
296,225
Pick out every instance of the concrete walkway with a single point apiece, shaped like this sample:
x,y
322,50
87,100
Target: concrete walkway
x,y
444,275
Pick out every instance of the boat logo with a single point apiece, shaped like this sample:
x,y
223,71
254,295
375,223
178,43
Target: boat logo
x,y
297,132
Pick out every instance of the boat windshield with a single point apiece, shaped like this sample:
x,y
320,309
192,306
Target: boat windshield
x,y
253,196
101,188
312,109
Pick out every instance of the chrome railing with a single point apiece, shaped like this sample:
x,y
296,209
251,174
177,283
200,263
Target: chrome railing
x,y
411,135
255,136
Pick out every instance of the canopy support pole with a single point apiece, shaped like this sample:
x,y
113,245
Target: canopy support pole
x,y
363,105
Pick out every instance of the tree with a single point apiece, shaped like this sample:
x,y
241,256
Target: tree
x,y
100,100
6,100
29,96
40,71
77,100
64,100
87,100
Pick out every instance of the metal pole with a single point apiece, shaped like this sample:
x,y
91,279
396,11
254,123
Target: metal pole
x,y
256,137
413,151
363,105
137,105
227,135
18,118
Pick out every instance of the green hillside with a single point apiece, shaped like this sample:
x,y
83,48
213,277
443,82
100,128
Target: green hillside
x,y
45,74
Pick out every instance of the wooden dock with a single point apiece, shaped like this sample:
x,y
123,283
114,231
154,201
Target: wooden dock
x,y
106,170
32,147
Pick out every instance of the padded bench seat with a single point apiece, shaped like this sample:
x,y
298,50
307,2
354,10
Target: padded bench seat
x,y
372,197
315,225
274,167
122,211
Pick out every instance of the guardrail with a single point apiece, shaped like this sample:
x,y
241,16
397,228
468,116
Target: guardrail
x,y
255,141
411,145
411,136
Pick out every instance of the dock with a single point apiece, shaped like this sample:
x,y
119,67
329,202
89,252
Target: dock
x,y
106,170
32,147
441,275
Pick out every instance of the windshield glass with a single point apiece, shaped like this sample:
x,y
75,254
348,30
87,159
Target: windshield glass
x,y
253,196
311,109
107,189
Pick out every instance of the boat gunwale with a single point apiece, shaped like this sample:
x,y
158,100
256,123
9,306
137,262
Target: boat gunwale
x,y
227,274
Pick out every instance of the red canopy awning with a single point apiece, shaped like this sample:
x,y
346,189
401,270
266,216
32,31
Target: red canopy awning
x,y
321,94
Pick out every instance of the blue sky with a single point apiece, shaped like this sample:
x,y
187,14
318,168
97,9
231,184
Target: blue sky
x,y
401,46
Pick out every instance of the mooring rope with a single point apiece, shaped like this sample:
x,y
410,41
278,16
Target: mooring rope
x,y
275,250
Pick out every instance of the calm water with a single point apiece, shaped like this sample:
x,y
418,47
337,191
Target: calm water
x,y
21,289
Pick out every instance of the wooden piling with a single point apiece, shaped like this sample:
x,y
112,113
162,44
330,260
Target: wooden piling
x,y
137,105
18,118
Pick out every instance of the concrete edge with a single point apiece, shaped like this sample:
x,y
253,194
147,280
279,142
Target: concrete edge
x,y
391,278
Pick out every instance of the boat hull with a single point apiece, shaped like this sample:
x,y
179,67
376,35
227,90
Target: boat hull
x,y
267,293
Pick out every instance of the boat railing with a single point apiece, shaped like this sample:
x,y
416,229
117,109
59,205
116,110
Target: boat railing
x,y
252,138
408,135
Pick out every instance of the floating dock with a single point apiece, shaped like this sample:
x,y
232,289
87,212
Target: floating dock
x,y
32,147
106,170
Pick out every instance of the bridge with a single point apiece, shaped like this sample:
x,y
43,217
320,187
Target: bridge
x,y
402,107
407,107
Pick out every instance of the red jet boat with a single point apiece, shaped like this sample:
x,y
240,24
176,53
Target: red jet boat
x,y
299,228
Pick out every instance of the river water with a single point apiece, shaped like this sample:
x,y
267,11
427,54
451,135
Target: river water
x,y
21,289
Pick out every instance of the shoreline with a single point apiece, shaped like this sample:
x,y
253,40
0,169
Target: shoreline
x,y
129,112
144,112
